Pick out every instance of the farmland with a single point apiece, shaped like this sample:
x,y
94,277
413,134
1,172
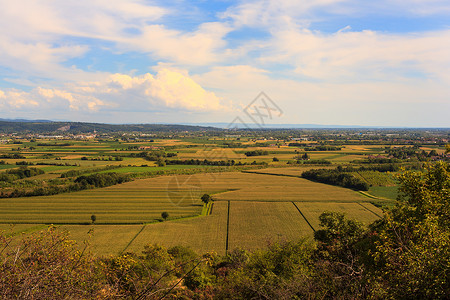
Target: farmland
x,y
258,199
261,209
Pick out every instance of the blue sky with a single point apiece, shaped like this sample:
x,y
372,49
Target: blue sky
x,y
343,62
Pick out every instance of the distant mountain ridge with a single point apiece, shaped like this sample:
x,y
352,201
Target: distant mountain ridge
x,y
38,126
25,120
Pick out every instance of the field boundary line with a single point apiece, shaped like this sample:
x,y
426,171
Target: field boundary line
x,y
367,181
132,240
368,195
303,216
228,228
273,174
366,208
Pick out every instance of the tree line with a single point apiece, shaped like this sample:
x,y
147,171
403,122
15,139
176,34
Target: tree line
x,y
20,173
207,162
97,180
258,152
336,177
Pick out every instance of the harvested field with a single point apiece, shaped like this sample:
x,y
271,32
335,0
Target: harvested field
x,y
365,212
254,224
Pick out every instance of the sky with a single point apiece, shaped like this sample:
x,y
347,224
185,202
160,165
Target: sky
x,y
330,62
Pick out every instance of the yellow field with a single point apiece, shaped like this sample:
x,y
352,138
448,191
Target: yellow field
x,y
365,212
201,234
261,209
212,154
254,224
258,187
291,171
103,239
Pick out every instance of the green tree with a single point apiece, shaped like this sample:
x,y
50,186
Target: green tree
x,y
412,257
93,218
206,198
165,215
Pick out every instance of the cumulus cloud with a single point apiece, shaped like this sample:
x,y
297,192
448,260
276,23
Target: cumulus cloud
x,y
167,90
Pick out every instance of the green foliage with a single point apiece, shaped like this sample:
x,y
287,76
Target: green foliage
x,y
413,253
322,148
338,230
102,180
256,153
165,215
20,173
283,271
206,198
336,177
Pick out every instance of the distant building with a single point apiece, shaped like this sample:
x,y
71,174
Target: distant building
x,y
149,148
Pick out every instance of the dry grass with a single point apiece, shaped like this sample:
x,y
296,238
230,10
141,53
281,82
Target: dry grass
x,y
291,171
258,187
312,211
254,224
202,234
103,239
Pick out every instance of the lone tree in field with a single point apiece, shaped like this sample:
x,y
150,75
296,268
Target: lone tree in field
x,y
93,218
165,215
206,198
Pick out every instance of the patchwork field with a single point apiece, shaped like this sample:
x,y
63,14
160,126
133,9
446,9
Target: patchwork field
x,y
249,211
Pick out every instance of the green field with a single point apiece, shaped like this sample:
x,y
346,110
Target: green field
x,y
375,178
388,192
5,167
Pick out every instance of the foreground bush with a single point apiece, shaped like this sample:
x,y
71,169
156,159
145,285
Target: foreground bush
x,y
46,266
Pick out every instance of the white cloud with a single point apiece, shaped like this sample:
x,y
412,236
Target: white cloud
x,y
37,37
168,90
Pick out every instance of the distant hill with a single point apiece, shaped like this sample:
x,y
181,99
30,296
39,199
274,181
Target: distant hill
x,y
24,120
38,126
